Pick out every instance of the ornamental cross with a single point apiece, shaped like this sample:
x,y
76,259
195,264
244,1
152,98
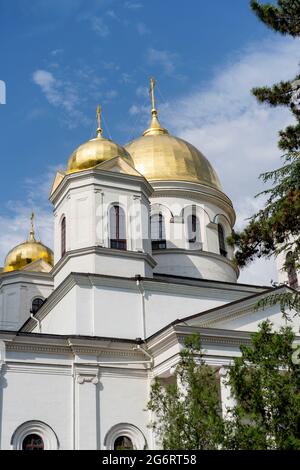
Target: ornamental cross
x,y
151,91
98,115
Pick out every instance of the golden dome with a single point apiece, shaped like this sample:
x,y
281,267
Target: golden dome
x,y
95,151
160,156
28,252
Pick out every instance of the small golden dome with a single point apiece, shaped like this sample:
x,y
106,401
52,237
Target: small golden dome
x,y
28,252
160,156
95,151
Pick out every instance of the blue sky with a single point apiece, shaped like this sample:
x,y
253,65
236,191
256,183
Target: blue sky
x,y
59,58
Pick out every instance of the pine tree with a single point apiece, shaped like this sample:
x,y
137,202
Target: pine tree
x,y
276,227
188,411
265,382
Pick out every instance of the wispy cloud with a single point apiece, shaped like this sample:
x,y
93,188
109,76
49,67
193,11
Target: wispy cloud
x,y
162,58
63,86
99,26
16,224
238,135
61,93
142,29
133,5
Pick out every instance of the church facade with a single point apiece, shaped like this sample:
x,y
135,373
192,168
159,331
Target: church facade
x,y
140,262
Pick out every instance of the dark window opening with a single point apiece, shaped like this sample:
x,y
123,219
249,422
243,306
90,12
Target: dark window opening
x,y
158,232
63,237
36,305
33,442
222,244
117,228
193,227
123,443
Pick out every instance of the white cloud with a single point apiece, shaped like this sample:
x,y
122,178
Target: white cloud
x,y
238,135
63,90
99,26
142,29
165,59
111,94
15,225
133,5
58,92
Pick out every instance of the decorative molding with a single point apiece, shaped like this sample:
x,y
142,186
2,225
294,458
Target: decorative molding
x,y
125,429
82,379
35,427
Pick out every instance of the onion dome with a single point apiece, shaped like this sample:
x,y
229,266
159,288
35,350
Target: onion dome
x,y
28,252
95,151
159,156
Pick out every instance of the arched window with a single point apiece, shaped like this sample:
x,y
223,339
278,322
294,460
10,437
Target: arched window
x,y
36,304
125,436
34,435
222,244
193,228
291,271
63,237
123,443
33,442
117,228
158,232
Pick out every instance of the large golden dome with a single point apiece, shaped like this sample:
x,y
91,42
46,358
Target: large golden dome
x,y
95,151
160,156
26,253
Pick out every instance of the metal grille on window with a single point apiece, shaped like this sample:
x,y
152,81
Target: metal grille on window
x,y
33,442
123,443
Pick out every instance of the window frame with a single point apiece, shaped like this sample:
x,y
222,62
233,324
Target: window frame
x,y
63,236
117,242
159,243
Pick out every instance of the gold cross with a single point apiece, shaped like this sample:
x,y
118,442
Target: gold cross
x,y
98,114
151,92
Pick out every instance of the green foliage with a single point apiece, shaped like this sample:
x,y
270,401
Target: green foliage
x,y
187,412
283,17
266,385
287,301
276,227
265,382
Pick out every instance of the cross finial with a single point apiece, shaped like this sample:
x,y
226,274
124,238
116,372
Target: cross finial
x,y
32,231
98,114
151,92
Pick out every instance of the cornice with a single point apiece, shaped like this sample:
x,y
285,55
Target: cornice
x,y
26,277
99,250
199,253
187,189
93,177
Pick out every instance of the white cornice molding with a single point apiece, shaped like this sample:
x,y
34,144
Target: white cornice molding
x,y
102,179
199,253
187,189
99,250
197,287
26,277
227,312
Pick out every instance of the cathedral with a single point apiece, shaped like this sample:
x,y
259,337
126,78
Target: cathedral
x,y
140,262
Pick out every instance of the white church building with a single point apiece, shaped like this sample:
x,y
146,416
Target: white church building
x,y
140,261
